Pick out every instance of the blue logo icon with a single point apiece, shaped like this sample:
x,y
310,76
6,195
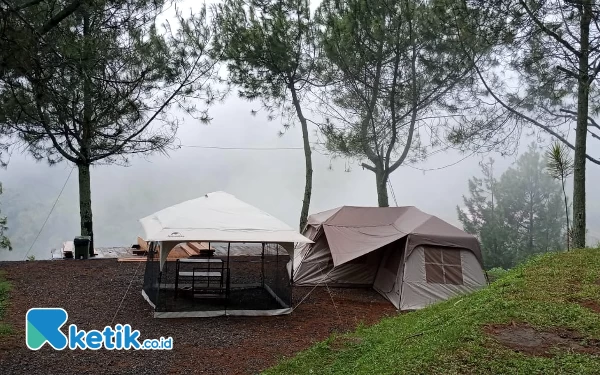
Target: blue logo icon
x,y
43,326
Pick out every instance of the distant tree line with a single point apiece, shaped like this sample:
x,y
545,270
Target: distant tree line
x,y
517,215
385,82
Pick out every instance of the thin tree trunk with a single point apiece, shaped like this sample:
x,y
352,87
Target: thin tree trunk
x,y
307,159
566,214
579,215
85,204
381,178
492,190
530,234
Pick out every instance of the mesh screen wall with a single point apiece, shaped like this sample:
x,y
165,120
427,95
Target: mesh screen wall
x,y
221,284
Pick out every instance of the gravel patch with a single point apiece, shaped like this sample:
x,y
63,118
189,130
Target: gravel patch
x,y
92,290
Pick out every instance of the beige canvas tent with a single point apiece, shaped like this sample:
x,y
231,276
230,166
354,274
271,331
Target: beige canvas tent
x,y
410,257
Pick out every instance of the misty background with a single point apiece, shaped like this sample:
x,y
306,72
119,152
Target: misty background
x,y
272,180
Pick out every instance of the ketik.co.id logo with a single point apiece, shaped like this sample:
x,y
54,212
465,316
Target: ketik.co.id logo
x,y
43,326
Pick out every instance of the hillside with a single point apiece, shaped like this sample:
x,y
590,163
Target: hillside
x,y
542,317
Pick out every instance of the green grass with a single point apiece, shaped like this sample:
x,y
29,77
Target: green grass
x,y
4,288
496,273
448,338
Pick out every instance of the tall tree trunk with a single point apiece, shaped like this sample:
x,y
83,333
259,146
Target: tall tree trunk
x,y
381,178
307,158
579,216
85,190
85,204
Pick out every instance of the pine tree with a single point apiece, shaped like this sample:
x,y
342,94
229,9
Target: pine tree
x,y
394,71
518,215
97,90
269,51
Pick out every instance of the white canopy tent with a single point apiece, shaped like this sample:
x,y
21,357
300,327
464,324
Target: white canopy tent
x,y
217,217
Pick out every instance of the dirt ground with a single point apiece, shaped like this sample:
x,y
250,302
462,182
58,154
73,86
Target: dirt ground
x,y
526,339
91,291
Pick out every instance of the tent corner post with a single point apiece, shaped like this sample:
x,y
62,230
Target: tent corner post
x,y
228,279
292,279
292,267
162,255
262,266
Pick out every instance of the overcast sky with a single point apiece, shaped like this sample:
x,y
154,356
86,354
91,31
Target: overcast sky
x,y
270,180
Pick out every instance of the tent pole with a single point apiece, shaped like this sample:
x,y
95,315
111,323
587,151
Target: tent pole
x,y
262,268
162,255
228,249
227,279
292,278
292,268
150,265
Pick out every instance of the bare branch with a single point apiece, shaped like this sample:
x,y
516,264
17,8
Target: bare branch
x,y
66,12
367,166
549,32
567,72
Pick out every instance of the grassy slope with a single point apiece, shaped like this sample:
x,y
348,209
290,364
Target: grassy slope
x,y
447,338
4,288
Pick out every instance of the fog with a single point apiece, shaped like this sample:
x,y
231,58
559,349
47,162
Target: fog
x,y
272,180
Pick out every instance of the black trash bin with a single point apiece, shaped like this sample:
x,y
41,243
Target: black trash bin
x,y
82,247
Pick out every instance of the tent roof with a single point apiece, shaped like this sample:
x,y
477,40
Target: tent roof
x,y
217,217
355,231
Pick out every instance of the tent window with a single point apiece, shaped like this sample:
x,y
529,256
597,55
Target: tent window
x,y
443,267
451,257
433,256
453,275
